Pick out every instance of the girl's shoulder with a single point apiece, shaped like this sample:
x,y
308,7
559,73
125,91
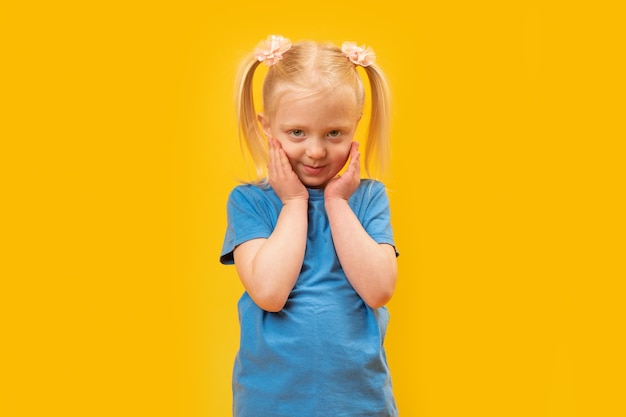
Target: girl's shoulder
x,y
369,191
372,183
253,193
252,189
369,186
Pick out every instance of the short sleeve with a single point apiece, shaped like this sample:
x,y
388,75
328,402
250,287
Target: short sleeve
x,y
250,215
372,208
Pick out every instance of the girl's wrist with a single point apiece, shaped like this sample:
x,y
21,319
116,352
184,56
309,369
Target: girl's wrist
x,y
293,202
333,202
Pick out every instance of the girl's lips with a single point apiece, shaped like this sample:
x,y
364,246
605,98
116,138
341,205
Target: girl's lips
x,y
313,170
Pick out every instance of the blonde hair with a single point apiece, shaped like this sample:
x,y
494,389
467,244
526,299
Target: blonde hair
x,y
312,66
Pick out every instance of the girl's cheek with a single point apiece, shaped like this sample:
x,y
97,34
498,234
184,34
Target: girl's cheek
x,y
289,148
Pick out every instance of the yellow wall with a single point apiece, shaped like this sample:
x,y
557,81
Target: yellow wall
x,y
119,149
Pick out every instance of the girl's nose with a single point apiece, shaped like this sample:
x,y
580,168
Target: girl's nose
x,y
316,149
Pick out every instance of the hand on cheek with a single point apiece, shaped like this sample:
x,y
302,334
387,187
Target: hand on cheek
x,y
344,186
281,177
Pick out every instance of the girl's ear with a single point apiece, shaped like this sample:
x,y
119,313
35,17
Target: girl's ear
x,y
265,124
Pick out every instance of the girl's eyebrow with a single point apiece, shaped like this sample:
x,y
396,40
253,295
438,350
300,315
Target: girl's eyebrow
x,y
292,125
303,126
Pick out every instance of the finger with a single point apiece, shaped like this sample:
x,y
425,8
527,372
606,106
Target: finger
x,y
274,158
355,157
283,164
270,147
275,150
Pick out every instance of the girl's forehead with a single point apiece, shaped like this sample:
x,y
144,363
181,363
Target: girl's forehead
x,y
344,97
316,110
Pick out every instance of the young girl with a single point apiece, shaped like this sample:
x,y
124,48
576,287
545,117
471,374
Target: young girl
x,y
313,248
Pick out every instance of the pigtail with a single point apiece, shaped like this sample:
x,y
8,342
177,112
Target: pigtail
x,y
378,139
250,132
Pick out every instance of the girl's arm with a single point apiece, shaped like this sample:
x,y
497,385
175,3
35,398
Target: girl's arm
x,y
268,268
371,267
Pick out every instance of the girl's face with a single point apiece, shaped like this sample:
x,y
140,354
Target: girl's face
x,y
315,131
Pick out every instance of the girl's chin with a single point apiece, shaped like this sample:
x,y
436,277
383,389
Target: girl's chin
x,y
314,183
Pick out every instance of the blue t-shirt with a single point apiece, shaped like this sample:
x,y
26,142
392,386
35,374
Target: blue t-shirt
x,y
322,355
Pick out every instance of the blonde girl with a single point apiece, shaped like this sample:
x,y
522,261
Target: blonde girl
x,y
311,240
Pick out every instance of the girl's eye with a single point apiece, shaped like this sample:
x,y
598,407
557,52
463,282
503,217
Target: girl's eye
x,y
296,133
334,133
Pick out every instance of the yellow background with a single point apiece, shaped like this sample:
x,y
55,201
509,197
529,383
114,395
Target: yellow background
x,y
119,149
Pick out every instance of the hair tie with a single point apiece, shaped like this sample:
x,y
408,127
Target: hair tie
x,y
272,49
359,55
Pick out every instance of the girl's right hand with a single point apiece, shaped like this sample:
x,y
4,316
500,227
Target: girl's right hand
x,y
282,179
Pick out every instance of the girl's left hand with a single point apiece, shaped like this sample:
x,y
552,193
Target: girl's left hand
x,y
282,179
343,186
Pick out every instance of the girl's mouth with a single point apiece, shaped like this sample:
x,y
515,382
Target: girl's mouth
x,y
313,170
